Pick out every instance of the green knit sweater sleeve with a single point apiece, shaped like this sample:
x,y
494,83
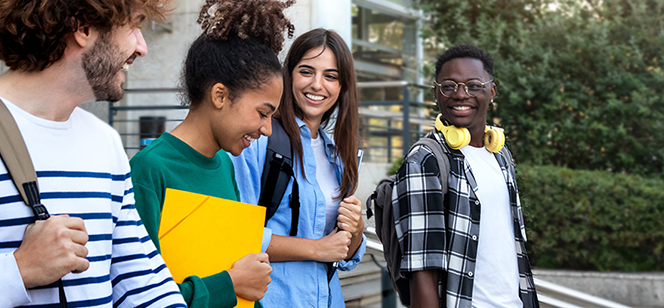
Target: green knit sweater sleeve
x,y
212,291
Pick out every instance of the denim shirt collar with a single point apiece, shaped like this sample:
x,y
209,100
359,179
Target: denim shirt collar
x,y
329,143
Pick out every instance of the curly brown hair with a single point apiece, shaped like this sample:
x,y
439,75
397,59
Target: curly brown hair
x,y
260,19
33,33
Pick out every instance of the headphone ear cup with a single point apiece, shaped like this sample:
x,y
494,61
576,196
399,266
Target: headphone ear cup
x,y
456,137
494,139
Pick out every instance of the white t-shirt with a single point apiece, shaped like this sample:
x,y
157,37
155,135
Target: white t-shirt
x,y
327,181
496,270
83,171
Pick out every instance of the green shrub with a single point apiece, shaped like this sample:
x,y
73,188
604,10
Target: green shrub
x,y
579,82
396,164
592,220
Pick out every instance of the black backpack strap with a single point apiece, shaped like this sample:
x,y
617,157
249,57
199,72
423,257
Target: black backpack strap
x,y
369,202
277,172
294,204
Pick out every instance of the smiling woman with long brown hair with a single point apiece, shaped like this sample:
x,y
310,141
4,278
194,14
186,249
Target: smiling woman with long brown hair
x,y
319,78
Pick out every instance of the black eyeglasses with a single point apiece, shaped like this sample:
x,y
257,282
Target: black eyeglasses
x,y
448,87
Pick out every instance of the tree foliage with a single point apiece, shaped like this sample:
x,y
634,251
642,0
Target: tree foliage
x,y
580,83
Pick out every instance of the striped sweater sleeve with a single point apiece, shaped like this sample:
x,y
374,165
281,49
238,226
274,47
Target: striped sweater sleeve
x,y
138,273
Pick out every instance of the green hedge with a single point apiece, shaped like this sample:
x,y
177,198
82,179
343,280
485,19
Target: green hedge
x,y
592,220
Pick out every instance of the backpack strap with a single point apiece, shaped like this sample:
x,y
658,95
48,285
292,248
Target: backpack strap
x,y
16,157
441,157
294,204
277,172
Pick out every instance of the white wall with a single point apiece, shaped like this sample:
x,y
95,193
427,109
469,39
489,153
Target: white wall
x,y
167,48
328,14
333,15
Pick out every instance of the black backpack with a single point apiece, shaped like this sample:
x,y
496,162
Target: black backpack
x,y
382,200
277,172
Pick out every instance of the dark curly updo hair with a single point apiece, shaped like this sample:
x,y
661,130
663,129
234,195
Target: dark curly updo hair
x,y
238,47
33,33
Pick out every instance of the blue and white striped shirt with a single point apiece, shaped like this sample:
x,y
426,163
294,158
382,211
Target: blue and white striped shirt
x,y
83,172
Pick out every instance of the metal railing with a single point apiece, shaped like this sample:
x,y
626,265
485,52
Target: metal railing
x,y
548,293
405,115
407,134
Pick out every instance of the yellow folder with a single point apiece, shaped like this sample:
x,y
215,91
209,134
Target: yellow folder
x,y
202,235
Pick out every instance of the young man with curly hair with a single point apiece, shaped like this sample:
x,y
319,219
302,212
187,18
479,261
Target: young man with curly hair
x,y
61,54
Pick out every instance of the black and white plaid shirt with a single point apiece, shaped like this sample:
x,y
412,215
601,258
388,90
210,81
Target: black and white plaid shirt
x,y
440,232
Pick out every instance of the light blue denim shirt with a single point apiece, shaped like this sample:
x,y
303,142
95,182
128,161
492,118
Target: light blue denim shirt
x,y
296,283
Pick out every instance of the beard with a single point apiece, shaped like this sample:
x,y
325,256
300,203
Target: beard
x,y
101,65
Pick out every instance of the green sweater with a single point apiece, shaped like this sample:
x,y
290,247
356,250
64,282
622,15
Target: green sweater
x,y
168,162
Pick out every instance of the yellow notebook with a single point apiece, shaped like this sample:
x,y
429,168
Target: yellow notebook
x,y
202,235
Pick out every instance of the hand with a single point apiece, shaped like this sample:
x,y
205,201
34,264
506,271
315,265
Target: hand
x,y
51,249
251,275
350,216
333,247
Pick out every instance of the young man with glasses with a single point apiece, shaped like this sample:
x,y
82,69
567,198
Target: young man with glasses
x,y
60,55
464,247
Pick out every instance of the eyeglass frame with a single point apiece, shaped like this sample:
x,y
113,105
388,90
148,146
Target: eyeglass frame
x,y
456,87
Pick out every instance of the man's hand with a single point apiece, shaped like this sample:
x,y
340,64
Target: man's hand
x,y
51,249
251,275
350,216
332,247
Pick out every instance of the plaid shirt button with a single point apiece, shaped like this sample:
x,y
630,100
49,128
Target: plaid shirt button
x,y
474,237
470,274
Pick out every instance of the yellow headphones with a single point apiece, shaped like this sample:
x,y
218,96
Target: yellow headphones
x,y
457,138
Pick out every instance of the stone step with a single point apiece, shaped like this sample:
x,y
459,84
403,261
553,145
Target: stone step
x,y
362,286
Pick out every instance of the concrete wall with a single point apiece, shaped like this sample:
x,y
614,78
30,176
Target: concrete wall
x,y
632,289
167,47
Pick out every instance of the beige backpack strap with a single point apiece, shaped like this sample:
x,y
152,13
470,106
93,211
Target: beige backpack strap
x,y
15,155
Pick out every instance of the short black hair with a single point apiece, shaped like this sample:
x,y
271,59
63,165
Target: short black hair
x,y
465,51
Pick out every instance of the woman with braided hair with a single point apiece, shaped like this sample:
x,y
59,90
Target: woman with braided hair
x,y
233,83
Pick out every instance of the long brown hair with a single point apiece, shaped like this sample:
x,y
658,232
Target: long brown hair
x,y
346,128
